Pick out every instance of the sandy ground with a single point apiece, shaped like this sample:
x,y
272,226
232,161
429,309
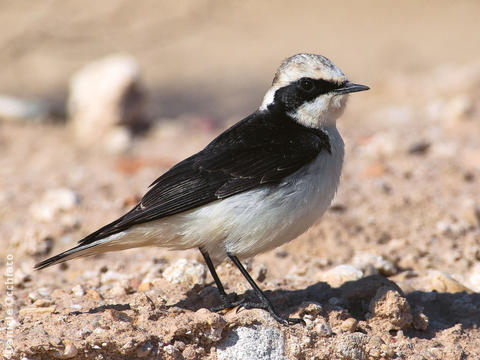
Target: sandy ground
x,y
392,271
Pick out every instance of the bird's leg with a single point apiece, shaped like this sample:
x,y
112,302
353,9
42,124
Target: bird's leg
x,y
228,300
264,302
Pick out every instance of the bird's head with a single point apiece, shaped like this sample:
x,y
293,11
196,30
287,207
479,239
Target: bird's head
x,y
310,89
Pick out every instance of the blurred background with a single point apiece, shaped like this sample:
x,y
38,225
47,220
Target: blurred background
x,y
98,98
190,52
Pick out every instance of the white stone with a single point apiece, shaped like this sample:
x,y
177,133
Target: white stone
x,y
186,272
16,109
78,291
322,328
53,202
103,94
474,279
252,343
340,274
458,108
372,264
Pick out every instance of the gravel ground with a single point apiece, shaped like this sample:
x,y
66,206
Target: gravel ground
x,y
390,272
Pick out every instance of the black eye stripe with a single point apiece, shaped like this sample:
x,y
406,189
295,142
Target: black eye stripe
x,y
321,86
290,97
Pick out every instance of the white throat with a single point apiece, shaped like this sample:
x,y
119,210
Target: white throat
x,y
321,112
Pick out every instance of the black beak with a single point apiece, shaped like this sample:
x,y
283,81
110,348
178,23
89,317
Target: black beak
x,y
349,87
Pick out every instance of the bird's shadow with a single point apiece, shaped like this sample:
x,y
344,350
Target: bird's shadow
x,y
444,310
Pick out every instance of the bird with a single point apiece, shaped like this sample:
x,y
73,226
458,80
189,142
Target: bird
x,y
259,184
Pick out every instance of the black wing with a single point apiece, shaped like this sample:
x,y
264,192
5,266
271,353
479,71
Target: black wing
x,y
261,149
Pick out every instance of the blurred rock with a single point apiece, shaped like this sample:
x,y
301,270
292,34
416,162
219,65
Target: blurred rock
x,y
17,110
420,321
474,278
339,275
419,148
453,228
259,272
36,310
259,343
69,352
145,286
458,108
186,272
322,327
144,350
470,212
117,140
33,241
93,294
389,310
53,202
371,264
43,303
104,94
78,290
442,282
310,310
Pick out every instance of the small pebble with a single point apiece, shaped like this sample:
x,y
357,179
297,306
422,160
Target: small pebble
x,y
40,310
93,294
442,282
420,321
145,286
340,274
42,303
322,328
144,350
69,352
419,148
186,272
312,309
53,202
260,272
117,290
78,290
349,325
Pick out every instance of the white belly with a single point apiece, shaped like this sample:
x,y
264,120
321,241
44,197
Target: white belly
x,y
254,221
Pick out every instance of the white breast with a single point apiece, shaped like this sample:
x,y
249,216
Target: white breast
x,y
254,221
260,220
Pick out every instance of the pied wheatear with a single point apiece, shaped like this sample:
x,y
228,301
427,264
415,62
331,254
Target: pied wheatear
x,y
258,185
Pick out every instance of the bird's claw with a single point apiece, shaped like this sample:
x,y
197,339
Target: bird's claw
x,y
228,302
260,305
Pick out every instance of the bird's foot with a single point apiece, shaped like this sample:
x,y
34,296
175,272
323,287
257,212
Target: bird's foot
x,y
268,307
229,301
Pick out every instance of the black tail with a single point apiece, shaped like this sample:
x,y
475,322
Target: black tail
x,y
82,249
79,250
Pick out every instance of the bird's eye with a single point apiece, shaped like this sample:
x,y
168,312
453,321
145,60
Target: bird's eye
x,y
306,84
